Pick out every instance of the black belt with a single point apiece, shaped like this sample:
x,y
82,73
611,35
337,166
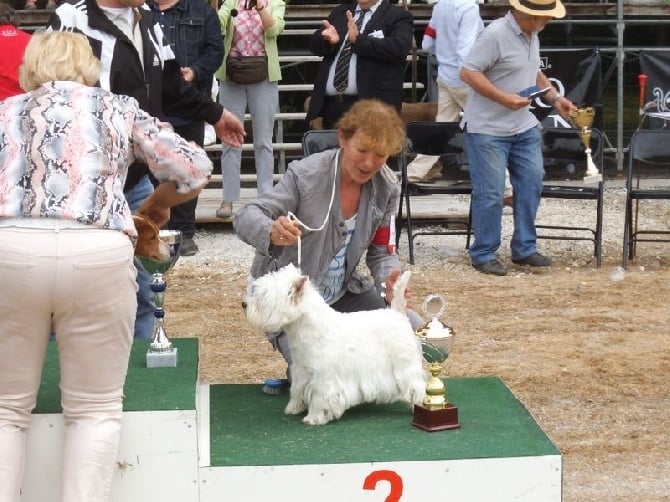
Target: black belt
x,y
342,98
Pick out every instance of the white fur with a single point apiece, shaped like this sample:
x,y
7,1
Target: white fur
x,y
338,360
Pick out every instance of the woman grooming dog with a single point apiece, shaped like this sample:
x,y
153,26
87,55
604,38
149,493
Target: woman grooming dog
x,y
66,252
342,204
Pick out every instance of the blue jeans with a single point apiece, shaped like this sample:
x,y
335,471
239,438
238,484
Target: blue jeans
x,y
489,156
144,319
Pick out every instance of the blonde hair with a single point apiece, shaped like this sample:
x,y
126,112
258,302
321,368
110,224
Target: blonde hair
x,y
58,55
377,124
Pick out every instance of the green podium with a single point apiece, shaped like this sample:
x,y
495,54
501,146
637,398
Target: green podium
x,y
187,442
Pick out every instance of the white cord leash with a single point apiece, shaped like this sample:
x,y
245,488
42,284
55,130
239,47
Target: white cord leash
x,y
291,216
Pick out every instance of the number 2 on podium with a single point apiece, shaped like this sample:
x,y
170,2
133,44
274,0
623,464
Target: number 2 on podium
x,y
392,477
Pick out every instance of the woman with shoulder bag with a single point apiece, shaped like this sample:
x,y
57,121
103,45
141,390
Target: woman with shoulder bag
x,y
249,76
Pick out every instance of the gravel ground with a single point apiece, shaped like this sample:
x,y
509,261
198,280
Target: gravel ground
x,y
586,350
219,246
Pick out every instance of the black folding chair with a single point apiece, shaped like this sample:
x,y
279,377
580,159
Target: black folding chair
x,y
564,170
648,159
443,139
318,140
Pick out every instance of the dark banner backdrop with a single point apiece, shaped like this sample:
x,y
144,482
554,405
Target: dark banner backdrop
x,y
576,74
656,66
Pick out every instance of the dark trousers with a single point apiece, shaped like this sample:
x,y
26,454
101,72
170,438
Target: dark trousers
x,y
182,217
334,107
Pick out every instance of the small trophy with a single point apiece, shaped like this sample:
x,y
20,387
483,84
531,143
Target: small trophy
x,y
436,413
582,119
161,353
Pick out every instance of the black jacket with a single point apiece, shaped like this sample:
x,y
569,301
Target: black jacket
x,y
382,57
158,87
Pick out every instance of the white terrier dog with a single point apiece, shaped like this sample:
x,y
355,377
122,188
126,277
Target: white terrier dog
x,y
339,359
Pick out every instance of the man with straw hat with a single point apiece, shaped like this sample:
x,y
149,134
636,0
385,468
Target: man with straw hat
x,y
501,131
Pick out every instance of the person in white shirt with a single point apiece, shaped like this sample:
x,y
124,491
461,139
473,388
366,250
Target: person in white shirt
x,y
450,33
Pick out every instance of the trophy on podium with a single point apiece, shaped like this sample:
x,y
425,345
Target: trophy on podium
x,y
161,353
582,119
436,413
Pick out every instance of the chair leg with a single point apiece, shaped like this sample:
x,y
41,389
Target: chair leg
x,y
399,220
632,242
626,235
410,235
598,238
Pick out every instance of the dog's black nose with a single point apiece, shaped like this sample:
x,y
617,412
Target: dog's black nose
x,y
244,305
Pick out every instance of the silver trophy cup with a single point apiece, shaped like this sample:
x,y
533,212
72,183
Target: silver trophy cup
x,y
161,353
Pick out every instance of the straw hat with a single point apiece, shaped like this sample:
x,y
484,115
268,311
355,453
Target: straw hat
x,y
551,8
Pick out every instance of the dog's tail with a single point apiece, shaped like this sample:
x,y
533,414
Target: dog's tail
x,y
399,302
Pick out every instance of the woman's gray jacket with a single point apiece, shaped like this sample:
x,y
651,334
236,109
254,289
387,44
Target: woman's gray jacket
x,y
305,190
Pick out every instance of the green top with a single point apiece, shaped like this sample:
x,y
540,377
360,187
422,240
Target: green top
x,y
276,9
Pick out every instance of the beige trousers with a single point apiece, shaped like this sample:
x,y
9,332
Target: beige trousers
x,y
81,281
450,102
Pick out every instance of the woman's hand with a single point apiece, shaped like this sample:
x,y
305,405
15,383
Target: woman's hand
x,y
284,232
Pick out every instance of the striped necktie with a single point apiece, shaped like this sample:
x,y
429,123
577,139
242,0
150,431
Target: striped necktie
x,y
341,77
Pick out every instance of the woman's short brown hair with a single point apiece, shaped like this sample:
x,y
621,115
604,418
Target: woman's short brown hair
x,y
58,55
377,124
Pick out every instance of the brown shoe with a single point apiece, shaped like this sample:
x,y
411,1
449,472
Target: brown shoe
x,y
225,210
435,172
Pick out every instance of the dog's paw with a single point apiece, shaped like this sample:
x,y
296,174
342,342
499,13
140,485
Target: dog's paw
x,y
294,407
316,419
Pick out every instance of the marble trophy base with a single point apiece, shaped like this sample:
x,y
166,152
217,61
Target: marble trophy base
x,y
162,359
593,178
436,420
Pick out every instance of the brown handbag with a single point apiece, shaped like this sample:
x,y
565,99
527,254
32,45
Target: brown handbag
x,y
247,69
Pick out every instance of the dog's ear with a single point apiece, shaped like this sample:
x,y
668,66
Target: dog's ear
x,y
298,287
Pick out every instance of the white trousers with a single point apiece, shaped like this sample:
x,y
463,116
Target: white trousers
x,y
81,281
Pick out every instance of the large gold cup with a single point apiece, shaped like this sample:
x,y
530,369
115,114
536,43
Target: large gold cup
x,y
436,413
582,119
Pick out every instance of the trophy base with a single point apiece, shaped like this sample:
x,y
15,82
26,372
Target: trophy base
x,y
593,178
436,420
166,359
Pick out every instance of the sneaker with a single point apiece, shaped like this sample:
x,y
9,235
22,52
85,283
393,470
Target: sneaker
x,y
30,6
188,247
534,260
225,210
493,267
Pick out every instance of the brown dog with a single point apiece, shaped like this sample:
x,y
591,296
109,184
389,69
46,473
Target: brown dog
x,y
149,243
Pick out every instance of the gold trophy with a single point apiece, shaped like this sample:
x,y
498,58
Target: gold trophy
x,y
161,353
436,413
582,119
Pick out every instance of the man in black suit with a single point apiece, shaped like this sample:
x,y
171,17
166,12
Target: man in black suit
x,y
378,37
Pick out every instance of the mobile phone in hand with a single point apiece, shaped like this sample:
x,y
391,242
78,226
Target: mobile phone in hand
x,y
533,92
